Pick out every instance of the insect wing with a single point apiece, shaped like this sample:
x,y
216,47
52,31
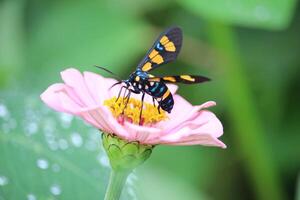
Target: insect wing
x,y
164,50
187,79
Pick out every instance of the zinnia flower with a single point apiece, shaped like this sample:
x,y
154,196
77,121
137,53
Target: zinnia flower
x,y
127,138
89,96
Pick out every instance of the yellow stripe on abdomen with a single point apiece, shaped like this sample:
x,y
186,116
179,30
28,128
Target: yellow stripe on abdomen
x,y
166,94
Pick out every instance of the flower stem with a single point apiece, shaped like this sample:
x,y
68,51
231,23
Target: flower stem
x,y
116,183
249,130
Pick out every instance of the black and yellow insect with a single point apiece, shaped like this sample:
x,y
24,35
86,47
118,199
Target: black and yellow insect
x,y
165,49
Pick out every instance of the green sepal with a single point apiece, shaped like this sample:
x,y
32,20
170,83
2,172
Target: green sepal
x,y
124,155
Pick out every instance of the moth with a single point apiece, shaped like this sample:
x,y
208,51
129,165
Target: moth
x,y
164,50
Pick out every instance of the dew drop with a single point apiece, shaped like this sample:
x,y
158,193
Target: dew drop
x,y
42,163
63,144
66,120
49,136
3,111
103,160
76,139
31,128
3,180
49,125
55,167
53,145
55,189
31,197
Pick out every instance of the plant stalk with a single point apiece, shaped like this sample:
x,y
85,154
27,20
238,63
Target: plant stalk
x,y
249,131
116,183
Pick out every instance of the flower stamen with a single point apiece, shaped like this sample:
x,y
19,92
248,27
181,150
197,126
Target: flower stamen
x,y
150,114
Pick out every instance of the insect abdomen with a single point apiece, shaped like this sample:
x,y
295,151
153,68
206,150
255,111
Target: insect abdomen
x,y
167,102
157,89
162,94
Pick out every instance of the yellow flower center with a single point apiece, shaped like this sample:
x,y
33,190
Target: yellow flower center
x,y
150,114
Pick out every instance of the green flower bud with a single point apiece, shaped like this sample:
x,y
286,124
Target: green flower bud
x,y
124,155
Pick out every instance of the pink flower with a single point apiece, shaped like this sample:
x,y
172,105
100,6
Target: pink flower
x,y
84,95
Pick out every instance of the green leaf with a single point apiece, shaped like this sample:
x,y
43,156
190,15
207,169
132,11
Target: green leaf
x,y
81,34
11,40
165,186
48,155
267,14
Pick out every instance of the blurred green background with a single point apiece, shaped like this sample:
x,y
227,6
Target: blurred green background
x,y
251,50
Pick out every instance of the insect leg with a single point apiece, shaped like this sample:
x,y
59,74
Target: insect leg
x,y
143,96
120,93
127,100
126,95
158,108
153,101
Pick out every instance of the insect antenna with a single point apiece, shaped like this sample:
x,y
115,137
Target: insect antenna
x,y
110,72
117,83
115,76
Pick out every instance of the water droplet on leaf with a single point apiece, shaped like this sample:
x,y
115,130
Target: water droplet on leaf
x,y
76,139
55,167
3,180
66,120
31,197
55,189
63,144
42,163
103,160
3,111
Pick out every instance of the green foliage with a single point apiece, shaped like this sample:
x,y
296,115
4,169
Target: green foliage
x,y
48,155
96,36
260,13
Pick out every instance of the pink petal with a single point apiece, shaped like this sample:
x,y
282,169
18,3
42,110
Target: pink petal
x,y
96,85
205,128
204,139
50,97
74,79
173,88
68,103
210,124
56,96
204,122
181,109
140,133
103,119
184,111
